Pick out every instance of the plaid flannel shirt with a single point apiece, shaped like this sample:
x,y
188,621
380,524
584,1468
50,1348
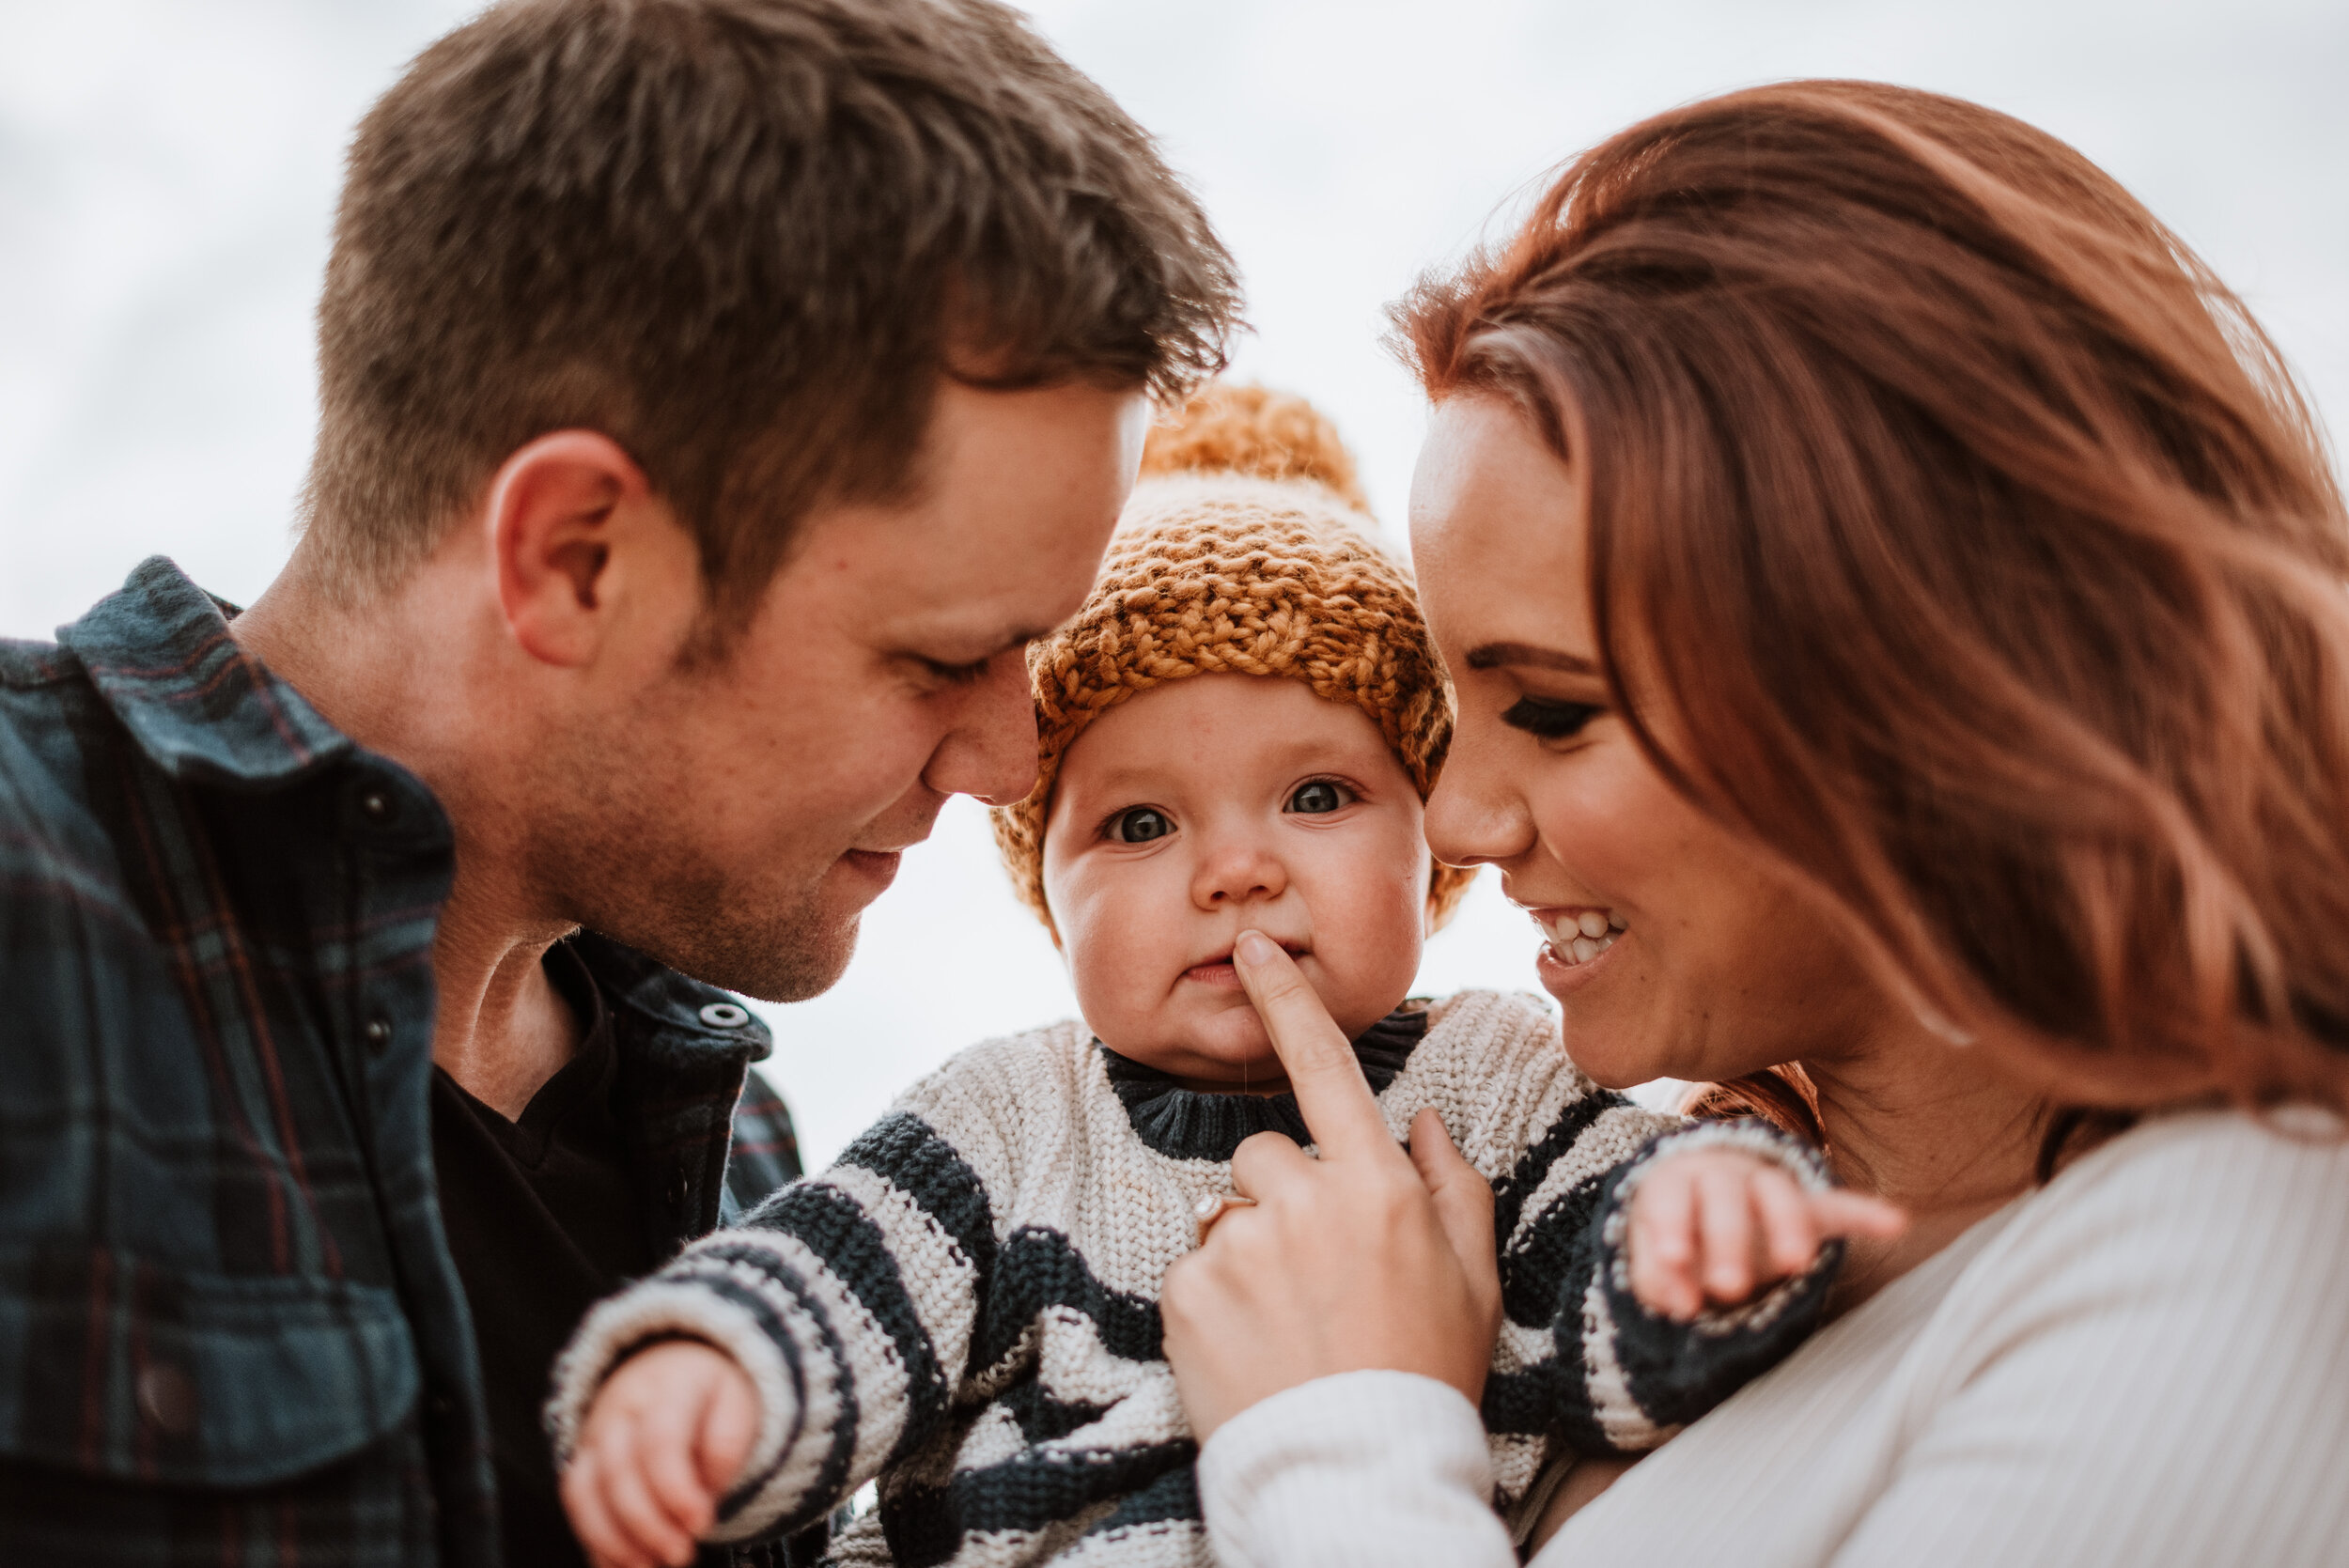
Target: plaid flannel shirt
x,y
230,1329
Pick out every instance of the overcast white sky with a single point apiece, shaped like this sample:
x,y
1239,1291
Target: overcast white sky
x,y
167,175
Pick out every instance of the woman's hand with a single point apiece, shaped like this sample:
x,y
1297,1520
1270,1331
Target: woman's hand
x,y
1364,1258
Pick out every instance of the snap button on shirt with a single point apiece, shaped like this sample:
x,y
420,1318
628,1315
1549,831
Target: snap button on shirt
x,y
167,1399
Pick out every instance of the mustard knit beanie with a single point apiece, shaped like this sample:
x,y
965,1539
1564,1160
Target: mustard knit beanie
x,y
1247,548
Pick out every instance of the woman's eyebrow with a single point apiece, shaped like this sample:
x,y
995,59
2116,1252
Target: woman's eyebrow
x,y
1489,656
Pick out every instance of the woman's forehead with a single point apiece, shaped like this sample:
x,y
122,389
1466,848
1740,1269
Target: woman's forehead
x,y
1498,534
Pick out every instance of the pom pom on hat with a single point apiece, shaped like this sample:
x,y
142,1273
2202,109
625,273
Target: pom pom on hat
x,y
1257,432
1247,548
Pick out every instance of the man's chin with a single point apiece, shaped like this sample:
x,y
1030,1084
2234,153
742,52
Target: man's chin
x,y
776,960
801,963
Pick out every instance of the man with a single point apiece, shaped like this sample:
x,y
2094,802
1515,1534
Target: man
x,y
716,395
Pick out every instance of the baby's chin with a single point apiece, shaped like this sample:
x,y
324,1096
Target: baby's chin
x,y
1225,1049
1220,1049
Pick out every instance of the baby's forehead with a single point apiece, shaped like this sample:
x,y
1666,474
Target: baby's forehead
x,y
1226,726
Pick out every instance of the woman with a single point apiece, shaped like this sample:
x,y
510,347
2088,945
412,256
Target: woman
x,y
1890,577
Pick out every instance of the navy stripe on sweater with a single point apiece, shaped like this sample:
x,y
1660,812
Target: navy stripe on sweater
x,y
1041,1268
1512,1192
835,1473
926,1525
908,1151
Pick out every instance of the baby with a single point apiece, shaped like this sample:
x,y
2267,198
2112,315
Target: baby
x,y
1237,733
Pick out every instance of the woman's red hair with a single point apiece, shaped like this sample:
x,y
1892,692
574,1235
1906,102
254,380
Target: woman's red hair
x,y
1955,535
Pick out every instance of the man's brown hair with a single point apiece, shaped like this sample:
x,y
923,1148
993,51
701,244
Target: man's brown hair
x,y
1956,535
743,239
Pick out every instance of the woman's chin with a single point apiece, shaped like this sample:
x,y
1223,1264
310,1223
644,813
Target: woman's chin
x,y
1607,1051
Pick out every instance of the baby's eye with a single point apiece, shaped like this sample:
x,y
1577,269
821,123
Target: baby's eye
x,y
1139,824
1319,795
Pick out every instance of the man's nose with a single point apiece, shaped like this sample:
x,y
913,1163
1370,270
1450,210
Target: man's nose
x,y
990,753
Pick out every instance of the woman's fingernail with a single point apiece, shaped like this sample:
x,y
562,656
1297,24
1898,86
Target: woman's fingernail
x,y
1254,948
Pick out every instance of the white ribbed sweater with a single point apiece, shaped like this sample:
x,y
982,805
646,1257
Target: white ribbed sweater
x,y
2145,1362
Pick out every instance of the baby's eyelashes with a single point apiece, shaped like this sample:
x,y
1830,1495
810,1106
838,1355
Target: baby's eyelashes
x,y
1137,825
1316,797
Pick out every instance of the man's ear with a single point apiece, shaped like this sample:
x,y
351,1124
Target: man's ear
x,y
574,528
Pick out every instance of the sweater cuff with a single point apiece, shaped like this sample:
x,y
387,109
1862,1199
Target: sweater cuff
x,y
1673,1371
1747,1136
1361,1469
658,1309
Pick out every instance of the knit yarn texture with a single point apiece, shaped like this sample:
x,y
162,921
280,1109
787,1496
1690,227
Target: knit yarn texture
x,y
1246,550
965,1305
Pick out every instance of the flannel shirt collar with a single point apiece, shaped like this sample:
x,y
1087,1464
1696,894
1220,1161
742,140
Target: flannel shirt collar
x,y
206,711
202,709
672,1024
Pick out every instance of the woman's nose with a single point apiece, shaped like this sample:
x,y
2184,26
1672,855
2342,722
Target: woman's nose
x,y
1476,813
1237,871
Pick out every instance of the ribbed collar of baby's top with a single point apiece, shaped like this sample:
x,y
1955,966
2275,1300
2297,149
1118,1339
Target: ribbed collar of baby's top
x,y
1191,1123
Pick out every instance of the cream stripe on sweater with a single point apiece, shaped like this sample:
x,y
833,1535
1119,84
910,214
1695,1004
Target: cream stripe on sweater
x,y
966,1304
2144,1363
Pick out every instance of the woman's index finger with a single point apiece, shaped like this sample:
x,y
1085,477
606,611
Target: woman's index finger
x,y
1338,1106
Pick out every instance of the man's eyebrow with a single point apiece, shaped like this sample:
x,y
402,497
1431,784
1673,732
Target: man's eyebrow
x,y
1491,656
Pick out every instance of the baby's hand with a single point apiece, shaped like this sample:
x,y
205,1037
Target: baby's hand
x,y
1717,1226
662,1442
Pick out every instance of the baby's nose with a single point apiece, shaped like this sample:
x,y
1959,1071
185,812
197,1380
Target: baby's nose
x,y
1239,874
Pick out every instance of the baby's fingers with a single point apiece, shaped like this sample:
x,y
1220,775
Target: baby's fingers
x,y
665,1442
590,1523
1790,1238
1725,1228
642,1520
1855,1213
728,1430
608,1544
1663,1246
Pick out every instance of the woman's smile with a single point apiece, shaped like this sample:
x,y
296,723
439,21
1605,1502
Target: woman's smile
x,y
1580,940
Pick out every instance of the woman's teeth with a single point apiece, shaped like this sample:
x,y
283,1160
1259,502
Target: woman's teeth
x,y
1579,935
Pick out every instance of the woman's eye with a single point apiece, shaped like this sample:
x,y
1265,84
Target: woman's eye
x,y
1139,824
1319,795
1549,720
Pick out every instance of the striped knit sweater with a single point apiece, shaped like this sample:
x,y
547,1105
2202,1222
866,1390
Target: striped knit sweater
x,y
965,1305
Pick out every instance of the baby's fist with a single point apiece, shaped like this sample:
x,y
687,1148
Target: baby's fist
x,y
1716,1226
664,1438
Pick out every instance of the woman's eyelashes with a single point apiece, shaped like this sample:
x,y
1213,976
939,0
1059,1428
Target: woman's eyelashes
x,y
1546,719
1137,825
1318,796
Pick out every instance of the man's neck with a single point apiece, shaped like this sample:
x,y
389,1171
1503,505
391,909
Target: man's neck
x,y
501,1028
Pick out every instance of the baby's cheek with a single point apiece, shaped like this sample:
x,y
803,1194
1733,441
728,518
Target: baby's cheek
x,y
1109,962
1377,954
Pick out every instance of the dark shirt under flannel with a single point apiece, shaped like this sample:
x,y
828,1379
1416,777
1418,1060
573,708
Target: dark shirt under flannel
x,y
230,1329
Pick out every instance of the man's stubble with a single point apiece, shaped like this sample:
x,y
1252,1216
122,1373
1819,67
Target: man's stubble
x,y
614,850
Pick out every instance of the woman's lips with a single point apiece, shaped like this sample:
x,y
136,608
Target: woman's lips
x,y
1581,940
1562,974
